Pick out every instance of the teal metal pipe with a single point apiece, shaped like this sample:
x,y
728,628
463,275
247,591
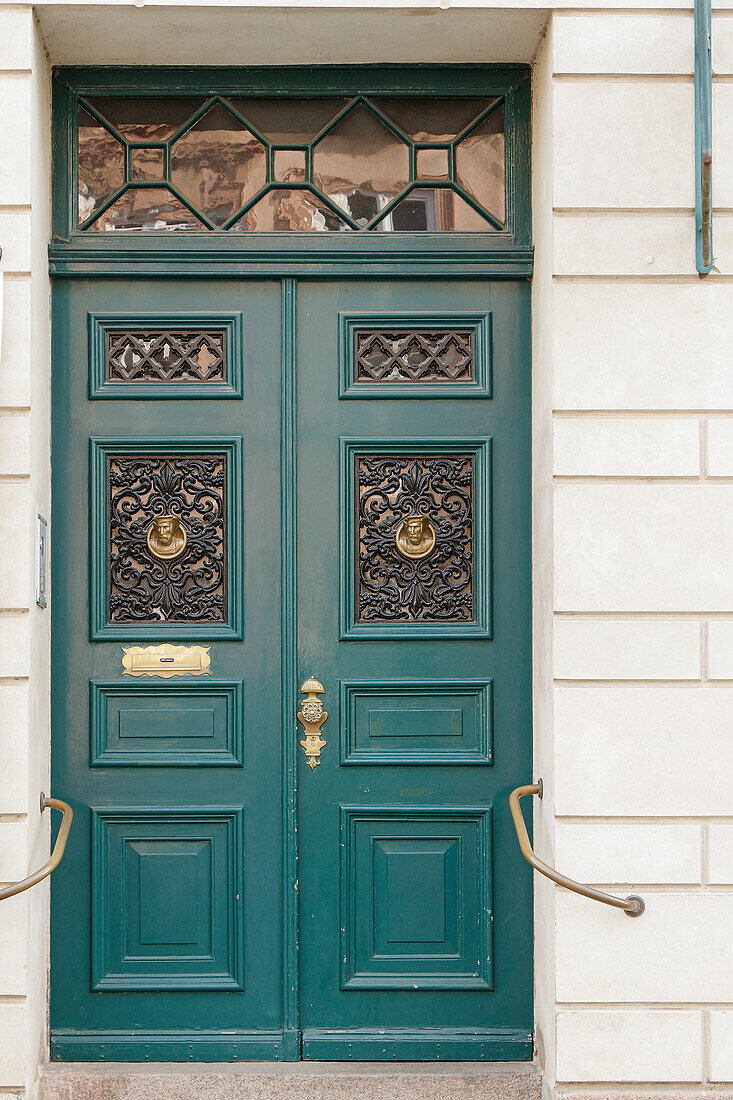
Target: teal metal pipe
x,y
703,139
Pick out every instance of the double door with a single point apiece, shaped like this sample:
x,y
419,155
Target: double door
x,y
256,484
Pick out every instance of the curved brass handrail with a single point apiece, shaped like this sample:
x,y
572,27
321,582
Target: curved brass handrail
x,y
54,859
633,905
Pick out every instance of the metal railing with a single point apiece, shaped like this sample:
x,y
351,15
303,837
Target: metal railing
x,y
633,905
54,859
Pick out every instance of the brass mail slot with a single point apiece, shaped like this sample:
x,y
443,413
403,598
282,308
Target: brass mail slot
x,y
166,660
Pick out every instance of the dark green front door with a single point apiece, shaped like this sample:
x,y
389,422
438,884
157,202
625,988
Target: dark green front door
x,y
413,419
306,479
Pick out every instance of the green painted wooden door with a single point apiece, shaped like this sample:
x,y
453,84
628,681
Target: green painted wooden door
x,y
415,904
167,911
183,926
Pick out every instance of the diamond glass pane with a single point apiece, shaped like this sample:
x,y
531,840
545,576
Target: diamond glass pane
x,y
148,118
480,167
436,209
284,211
361,165
218,165
147,208
101,165
286,121
424,119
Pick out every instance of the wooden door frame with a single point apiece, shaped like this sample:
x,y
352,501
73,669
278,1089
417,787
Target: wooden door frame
x,y
290,258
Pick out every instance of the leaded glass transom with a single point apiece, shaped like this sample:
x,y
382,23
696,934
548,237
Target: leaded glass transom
x,y
334,164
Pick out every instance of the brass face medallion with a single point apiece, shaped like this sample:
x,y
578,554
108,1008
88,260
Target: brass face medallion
x,y
415,538
166,538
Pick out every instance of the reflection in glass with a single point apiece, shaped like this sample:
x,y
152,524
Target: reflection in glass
x,y
149,118
147,164
432,119
220,162
480,164
101,165
289,165
147,208
218,165
286,210
288,121
432,164
361,165
433,209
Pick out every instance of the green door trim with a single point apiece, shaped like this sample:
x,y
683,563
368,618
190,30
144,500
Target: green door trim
x,y
291,1038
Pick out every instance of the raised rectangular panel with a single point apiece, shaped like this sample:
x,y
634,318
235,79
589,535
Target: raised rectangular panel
x,y
720,649
628,1045
720,844
15,646
680,950
15,344
167,892
623,447
13,1045
415,354
626,649
721,1046
643,547
16,547
613,853
720,447
621,42
417,913
607,354
14,946
165,355
442,590
622,244
16,40
14,742
416,722
171,724
16,95
654,744
191,589
623,123
15,445
722,104
15,233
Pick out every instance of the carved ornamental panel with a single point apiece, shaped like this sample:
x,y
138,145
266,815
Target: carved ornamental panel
x,y
167,538
414,355
415,538
175,355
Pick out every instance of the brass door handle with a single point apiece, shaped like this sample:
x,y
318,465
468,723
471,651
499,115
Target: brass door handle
x,y
55,858
312,716
633,905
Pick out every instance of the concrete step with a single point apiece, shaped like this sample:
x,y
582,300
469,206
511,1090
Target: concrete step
x,y
291,1081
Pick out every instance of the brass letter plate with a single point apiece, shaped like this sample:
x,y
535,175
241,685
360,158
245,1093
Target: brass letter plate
x,y
166,660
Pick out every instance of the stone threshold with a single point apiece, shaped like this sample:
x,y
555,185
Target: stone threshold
x,y
291,1080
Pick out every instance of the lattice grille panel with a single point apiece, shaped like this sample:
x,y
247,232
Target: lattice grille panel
x,y
171,355
414,355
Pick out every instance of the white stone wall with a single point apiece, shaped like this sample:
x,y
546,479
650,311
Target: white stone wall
x,y
632,517
24,479
643,540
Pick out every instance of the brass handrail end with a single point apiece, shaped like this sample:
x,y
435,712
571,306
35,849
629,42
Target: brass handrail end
x,y
639,906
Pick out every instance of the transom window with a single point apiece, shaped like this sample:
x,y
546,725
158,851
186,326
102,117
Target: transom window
x,y
384,163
